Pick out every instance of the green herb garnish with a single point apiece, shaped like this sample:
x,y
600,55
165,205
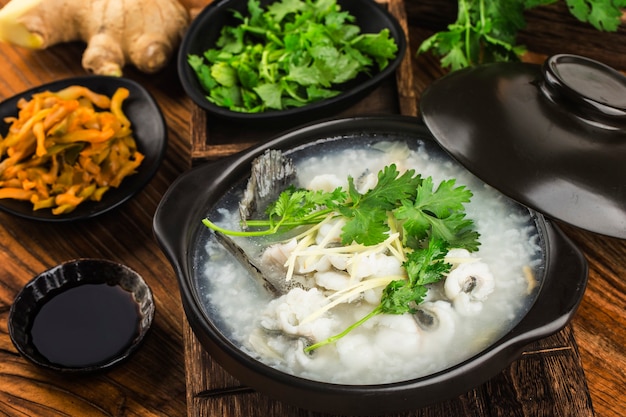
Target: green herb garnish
x,y
405,208
485,31
424,266
290,54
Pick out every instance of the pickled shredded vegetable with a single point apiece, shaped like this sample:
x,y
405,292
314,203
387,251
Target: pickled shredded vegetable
x,y
67,147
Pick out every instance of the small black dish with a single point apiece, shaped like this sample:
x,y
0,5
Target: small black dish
x,y
149,131
205,30
81,316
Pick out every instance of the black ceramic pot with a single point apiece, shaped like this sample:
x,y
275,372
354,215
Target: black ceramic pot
x,y
178,228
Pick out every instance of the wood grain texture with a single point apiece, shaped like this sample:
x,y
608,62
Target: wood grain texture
x,y
153,382
600,323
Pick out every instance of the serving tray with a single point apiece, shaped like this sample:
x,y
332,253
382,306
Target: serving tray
x,y
548,379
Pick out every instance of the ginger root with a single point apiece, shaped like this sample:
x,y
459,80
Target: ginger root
x,y
144,33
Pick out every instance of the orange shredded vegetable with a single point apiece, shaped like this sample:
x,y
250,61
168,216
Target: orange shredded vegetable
x,y
67,147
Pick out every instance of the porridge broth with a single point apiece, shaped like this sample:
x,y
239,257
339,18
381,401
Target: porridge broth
x,y
387,348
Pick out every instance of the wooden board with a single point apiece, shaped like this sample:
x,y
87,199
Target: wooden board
x,y
548,380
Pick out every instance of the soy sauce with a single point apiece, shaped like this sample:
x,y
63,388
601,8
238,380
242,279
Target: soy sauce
x,y
85,325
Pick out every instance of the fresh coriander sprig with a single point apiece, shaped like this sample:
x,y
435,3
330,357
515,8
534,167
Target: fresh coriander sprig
x,y
486,31
293,208
438,214
431,220
407,200
424,267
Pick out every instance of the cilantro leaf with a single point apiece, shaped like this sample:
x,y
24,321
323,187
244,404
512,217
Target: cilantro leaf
x,y
366,228
318,93
280,9
206,80
317,199
486,31
224,74
438,214
255,13
604,15
247,76
290,203
426,266
270,94
294,207
444,200
367,215
231,40
380,46
226,96
390,188
399,297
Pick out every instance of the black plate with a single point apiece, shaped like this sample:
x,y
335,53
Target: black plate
x,y
150,132
178,229
205,30
552,137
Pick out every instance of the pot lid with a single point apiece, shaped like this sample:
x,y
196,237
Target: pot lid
x,y
551,136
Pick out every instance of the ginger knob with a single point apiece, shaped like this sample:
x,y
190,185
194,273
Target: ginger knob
x,y
142,33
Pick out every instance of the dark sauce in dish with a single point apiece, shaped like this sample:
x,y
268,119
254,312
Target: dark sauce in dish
x,y
85,325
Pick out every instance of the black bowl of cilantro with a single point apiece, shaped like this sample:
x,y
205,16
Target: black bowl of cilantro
x,y
287,60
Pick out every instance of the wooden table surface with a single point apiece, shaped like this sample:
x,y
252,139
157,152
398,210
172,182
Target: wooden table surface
x,y
152,382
